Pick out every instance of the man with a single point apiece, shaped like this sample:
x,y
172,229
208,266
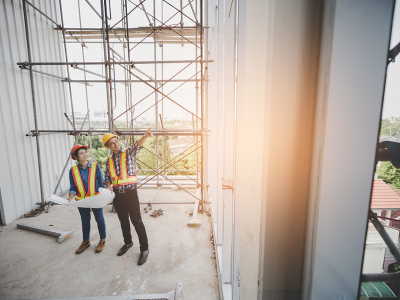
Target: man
x,y
120,177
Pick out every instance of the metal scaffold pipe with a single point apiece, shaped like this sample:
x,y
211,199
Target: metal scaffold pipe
x,y
66,164
197,98
155,83
202,104
66,59
141,42
106,62
389,242
138,131
160,33
124,81
98,30
87,1
114,63
42,13
76,132
84,70
33,101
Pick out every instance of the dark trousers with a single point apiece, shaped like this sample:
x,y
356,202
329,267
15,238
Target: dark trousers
x,y
127,205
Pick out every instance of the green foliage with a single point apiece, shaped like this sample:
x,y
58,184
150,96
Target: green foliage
x,y
390,127
97,142
147,160
101,157
389,174
99,152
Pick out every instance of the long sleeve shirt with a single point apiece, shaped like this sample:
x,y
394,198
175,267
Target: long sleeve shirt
x,y
130,155
85,175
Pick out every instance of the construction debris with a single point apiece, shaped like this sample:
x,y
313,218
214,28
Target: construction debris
x,y
213,256
32,213
156,213
148,208
62,236
194,223
177,187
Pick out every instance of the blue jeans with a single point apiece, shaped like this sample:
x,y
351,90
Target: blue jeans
x,y
98,215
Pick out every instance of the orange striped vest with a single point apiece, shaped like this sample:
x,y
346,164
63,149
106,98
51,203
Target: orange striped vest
x,y
82,193
124,178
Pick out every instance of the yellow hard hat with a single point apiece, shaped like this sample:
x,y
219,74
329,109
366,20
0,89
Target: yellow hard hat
x,y
107,137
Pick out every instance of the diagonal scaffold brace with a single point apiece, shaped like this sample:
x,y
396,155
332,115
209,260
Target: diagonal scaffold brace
x,y
66,164
388,241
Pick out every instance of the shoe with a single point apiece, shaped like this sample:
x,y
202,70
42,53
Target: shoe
x,y
83,246
143,257
123,249
100,246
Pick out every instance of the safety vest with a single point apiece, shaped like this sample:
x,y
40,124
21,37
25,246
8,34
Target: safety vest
x,y
124,178
82,193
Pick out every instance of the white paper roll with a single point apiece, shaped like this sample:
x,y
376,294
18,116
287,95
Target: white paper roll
x,y
98,201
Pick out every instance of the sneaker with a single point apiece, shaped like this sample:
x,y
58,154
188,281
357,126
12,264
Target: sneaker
x,y
100,246
83,246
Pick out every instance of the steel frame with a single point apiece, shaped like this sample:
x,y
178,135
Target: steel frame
x,y
162,34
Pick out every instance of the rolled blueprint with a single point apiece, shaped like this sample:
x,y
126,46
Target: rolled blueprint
x,y
103,198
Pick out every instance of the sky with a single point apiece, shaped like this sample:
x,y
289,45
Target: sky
x,y
391,104
185,95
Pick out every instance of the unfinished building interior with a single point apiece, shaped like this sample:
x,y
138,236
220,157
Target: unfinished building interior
x,y
256,109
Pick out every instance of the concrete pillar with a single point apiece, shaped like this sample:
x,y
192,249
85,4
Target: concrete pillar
x,y
278,53
388,215
355,43
220,120
309,76
227,155
213,116
252,104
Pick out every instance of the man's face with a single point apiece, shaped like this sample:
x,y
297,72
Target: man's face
x,y
113,145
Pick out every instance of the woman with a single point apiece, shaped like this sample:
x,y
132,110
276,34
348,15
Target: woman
x,y
86,178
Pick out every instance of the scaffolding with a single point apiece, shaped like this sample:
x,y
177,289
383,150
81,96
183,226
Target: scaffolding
x,y
157,33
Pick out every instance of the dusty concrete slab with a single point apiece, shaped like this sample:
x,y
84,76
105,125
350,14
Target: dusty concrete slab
x,y
36,266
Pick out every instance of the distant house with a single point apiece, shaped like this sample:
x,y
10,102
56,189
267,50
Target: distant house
x,y
100,114
178,146
385,202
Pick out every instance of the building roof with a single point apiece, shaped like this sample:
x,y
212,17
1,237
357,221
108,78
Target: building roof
x,y
386,138
384,196
376,290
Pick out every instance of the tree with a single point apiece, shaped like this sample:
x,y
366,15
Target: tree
x,y
101,157
99,152
148,160
389,174
390,126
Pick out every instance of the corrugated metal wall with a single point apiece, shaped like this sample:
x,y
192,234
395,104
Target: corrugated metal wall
x,y
19,179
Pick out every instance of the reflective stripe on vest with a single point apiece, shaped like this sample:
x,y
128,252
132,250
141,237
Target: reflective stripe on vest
x,y
76,174
124,178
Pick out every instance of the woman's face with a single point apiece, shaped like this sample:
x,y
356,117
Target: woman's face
x,y
82,155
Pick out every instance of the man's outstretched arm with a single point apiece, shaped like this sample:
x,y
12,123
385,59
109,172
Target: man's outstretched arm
x,y
144,137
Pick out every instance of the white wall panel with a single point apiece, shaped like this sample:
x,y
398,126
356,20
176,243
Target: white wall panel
x,y
19,177
351,83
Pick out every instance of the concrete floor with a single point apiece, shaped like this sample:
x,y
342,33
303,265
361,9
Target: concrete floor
x,y
35,266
